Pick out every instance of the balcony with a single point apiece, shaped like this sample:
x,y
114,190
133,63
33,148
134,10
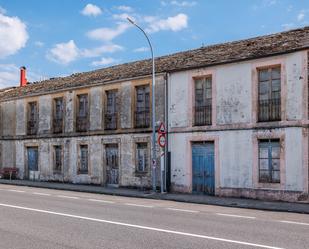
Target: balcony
x,y
82,124
142,119
110,120
270,110
58,125
202,115
32,127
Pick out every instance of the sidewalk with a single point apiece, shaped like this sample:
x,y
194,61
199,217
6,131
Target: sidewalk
x,y
199,199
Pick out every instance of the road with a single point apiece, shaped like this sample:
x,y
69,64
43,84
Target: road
x,y
34,218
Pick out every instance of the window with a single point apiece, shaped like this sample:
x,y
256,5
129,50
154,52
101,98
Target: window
x,y
111,110
58,115
83,166
269,102
269,161
203,99
142,115
32,125
141,157
57,159
82,113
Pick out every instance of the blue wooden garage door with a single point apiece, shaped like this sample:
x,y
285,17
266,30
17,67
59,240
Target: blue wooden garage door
x,y
203,168
32,154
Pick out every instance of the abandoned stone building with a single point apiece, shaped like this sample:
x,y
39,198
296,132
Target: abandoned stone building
x,y
237,116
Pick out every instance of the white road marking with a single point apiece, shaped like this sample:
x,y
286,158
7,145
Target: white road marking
x,y
69,197
39,193
236,216
17,191
140,227
183,210
96,200
294,222
138,205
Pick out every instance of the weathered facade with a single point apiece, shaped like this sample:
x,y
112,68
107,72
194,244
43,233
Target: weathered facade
x,y
97,135
237,117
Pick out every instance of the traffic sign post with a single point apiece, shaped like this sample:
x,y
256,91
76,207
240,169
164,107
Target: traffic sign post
x,y
162,143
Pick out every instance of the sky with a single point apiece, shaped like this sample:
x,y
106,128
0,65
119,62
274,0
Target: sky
x,y
55,38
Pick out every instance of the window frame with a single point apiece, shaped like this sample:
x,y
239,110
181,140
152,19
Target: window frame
x,y
269,144
55,147
146,108
79,170
146,156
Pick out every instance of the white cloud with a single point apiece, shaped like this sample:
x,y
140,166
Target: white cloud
x,y
108,34
63,53
13,33
288,26
10,73
123,17
2,10
125,8
141,49
104,61
183,3
301,16
91,10
39,44
96,52
174,23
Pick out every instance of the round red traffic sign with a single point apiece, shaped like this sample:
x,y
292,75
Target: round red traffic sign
x,y
162,140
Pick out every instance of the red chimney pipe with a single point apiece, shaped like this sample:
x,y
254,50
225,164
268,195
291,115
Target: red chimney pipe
x,y
23,80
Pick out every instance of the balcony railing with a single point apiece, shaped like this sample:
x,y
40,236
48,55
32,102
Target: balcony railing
x,y
81,124
202,115
142,119
58,125
32,127
270,110
110,120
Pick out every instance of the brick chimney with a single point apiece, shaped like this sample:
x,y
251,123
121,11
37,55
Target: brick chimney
x,y
23,80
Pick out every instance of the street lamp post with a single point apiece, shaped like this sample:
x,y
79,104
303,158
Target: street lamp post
x,y
153,109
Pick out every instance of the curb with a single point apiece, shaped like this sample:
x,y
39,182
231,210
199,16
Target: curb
x,y
301,208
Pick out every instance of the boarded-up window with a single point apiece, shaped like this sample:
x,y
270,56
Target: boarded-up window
x,y
269,161
142,107
82,113
57,159
32,125
142,160
203,100
58,115
269,102
83,165
111,110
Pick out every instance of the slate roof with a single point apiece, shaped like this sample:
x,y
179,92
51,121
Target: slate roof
x,y
268,45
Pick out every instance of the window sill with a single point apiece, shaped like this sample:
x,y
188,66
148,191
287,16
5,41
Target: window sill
x,y
141,173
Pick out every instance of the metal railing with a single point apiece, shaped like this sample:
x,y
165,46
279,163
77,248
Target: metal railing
x,y
202,115
269,110
58,125
110,120
81,124
142,119
32,127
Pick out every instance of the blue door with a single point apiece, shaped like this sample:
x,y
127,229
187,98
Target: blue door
x,y
32,154
203,168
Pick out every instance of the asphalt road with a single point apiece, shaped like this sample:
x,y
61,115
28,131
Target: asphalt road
x,y
36,218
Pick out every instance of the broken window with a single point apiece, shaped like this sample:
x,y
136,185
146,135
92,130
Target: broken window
x,y
83,166
203,99
58,115
111,110
82,113
142,157
142,107
32,125
269,161
57,159
269,102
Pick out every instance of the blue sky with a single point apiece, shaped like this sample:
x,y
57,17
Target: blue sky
x,y
61,37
